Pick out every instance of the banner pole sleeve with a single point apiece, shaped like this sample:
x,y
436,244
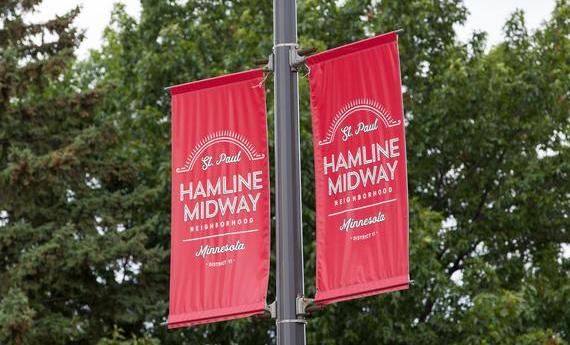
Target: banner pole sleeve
x,y
289,236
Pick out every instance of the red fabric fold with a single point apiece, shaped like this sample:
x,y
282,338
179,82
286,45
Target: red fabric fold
x,y
216,81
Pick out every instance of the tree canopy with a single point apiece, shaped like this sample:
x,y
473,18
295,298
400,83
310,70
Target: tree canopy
x,y
85,165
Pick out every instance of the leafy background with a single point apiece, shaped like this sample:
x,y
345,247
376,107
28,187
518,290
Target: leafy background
x,y
85,164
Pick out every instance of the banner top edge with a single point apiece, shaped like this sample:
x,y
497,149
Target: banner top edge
x,y
215,81
353,47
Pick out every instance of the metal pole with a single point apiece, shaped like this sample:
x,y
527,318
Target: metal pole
x,y
289,233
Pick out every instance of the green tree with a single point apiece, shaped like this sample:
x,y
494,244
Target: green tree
x,y
488,151
69,270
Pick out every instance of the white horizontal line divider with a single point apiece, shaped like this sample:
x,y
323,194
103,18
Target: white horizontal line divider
x,y
220,235
362,207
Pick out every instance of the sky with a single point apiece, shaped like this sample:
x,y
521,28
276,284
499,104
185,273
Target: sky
x,y
485,15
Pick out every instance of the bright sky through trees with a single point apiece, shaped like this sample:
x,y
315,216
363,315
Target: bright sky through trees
x,y
485,15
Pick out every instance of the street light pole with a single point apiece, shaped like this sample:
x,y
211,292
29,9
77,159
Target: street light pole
x,y
289,233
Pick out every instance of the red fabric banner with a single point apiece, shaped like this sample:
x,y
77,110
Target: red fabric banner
x,y
360,170
220,200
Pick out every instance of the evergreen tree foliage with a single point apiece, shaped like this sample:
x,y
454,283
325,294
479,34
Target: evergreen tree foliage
x,y
85,165
69,269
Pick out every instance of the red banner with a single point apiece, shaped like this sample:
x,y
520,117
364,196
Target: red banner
x,y
360,170
220,200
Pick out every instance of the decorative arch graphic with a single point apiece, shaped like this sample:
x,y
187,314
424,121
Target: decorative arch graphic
x,y
216,138
356,105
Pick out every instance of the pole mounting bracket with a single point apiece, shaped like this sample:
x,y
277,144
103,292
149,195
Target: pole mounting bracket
x,y
306,306
297,57
266,64
271,310
269,66
295,60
